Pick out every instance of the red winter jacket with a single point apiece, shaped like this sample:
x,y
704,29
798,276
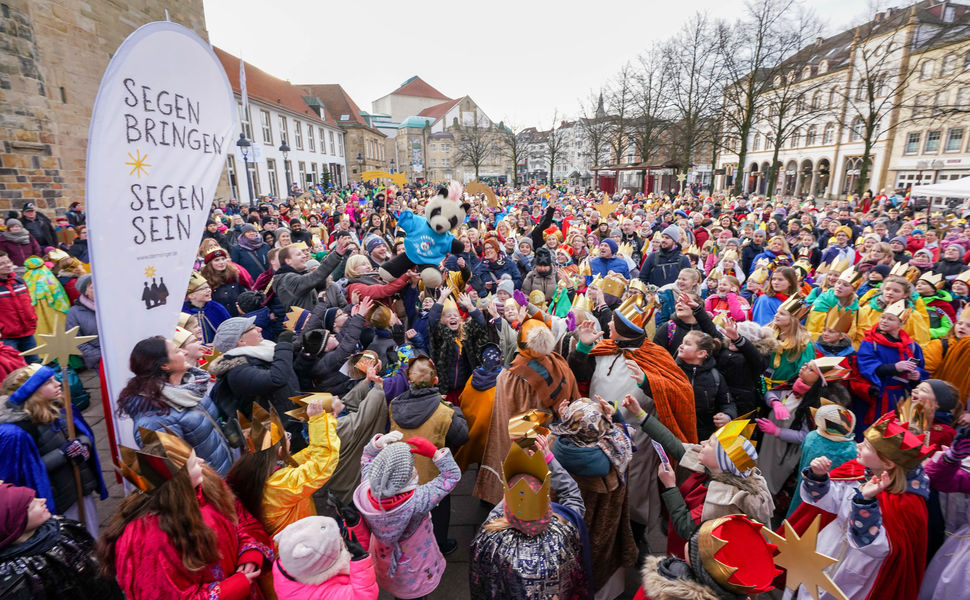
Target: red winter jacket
x,y
17,316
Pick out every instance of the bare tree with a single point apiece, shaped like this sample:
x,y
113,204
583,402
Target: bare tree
x,y
691,58
555,145
619,105
476,144
649,119
513,146
592,123
752,51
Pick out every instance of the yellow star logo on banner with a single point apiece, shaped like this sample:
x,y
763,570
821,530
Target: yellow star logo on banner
x,y
59,345
149,272
138,164
805,566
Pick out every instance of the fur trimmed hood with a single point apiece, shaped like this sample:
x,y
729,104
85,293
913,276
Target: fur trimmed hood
x,y
658,587
223,364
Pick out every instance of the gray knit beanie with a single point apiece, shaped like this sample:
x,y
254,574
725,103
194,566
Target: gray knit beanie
x,y
673,232
391,470
82,283
229,332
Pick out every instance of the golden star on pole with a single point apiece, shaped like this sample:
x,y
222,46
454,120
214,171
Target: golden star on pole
x,y
59,345
304,400
804,565
606,208
137,164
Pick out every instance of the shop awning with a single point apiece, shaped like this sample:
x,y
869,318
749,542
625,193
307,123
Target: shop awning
x,y
955,188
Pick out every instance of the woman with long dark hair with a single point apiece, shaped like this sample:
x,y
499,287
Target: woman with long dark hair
x,y
226,279
167,393
184,536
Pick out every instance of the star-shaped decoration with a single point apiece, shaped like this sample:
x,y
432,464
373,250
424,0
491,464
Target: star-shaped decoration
x,y
138,164
606,208
149,272
59,345
804,565
682,177
303,400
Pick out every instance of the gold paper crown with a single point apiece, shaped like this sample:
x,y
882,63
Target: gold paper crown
x,y
637,285
899,309
692,249
760,274
56,255
303,400
449,303
732,437
796,307
520,500
934,279
633,311
196,280
293,317
964,277
181,336
736,555
613,284
264,431
538,298
528,425
625,249
730,255
840,319
580,301
894,441
584,268
911,412
160,458
904,270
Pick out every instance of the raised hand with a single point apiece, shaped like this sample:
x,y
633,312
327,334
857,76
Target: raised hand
x,y
631,405
605,406
730,328
366,304
635,371
666,476
587,334
821,465
875,485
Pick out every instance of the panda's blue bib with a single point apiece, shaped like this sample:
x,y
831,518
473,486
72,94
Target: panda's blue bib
x,y
422,244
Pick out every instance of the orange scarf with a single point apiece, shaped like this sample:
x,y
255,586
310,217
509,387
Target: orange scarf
x,y
548,375
673,396
955,366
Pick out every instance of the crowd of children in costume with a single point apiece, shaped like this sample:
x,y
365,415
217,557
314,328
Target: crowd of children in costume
x,y
641,387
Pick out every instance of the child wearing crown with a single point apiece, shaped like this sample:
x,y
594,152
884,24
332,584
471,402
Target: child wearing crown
x,y
876,521
890,360
725,478
938,304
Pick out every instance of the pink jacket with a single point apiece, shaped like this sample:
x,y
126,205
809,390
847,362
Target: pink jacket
x,y
734,310
360,584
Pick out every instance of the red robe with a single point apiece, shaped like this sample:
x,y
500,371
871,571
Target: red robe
x,y
148,565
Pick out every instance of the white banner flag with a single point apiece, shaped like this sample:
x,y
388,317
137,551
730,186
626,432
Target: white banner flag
x,y
242,86
160,130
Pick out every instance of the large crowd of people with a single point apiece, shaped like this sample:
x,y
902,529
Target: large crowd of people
x,y
638,383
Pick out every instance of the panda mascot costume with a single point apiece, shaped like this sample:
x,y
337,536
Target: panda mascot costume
x,y
428,240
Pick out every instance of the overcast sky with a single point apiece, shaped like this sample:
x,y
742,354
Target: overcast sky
x,y
520,60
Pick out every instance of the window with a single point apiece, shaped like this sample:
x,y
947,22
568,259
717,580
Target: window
x,y
340,145
857,130
271,171
823,67
828,136
912,143
283,131
963,97
966,61
817,100
254,178
932,144
331,145
231,171
939,102
811,135
954,140
796,138
949,65
310,142
313,173
769,142
434,162
860,91
301,169
919,105
756,144
244,121
833,97
882,85
807,72
800,104
298,134
926,69
267,129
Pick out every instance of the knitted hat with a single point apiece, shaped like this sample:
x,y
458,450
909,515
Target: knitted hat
x,y
525,240
83,282
330,317
14,502
506,285
372,242
882,270
392,471
612,245
945,397
249,301
311,550
14,223
39,375
229,332
899,239
673,232
543,257
247,228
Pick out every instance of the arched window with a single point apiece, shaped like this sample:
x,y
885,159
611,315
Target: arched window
x,y
823,67
833,97
796,138
756,143
829,136
811,135
816,100
857,130
800,104
807,72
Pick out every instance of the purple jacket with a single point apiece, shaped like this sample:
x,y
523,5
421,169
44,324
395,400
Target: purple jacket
x,y
946,476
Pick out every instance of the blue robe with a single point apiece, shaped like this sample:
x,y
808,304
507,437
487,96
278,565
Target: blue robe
x,y
212,315
874,352
764,309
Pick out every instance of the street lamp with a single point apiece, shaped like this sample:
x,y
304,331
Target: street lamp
x,y
286,165
360,165
243,144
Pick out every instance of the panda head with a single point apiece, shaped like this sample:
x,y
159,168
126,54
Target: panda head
x,y
446,211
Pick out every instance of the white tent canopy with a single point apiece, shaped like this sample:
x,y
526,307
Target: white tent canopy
x,y
954,188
